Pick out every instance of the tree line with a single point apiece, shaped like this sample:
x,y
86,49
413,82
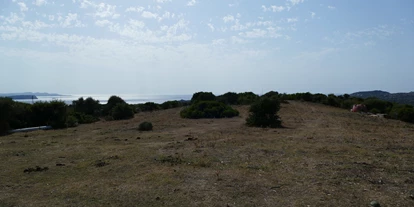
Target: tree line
x,y
263,110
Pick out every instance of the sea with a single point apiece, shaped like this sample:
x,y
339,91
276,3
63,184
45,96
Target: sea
x,y
103,98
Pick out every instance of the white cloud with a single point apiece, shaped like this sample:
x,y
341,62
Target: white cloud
x,y
331,7
211,26
255,33
51,17
237,40
102,10
22,6
162,1
191,3
149,15
273,8
313,14
134,9
40,2
71,20
228,18
103,23
292,20
295,2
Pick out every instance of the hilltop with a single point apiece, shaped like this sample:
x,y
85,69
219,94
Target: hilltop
x,y
402,98
324,156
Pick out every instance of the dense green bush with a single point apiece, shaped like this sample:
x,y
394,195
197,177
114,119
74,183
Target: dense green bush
x,y
112,102
403,113
71,121
88,106
49,113
148,106
208,109
6,106
145,126
170,104
83,118
122,111
247,98
378,105
203,96
263,113
229,98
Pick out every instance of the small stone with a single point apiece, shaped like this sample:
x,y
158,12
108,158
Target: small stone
x,y
375,204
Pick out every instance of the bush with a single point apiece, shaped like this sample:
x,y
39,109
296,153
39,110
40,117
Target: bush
x,y
49,113
83,118
122,111
112,102
383,107
203,96
247,98
171,104
88,106
263,113
145,126
229,98
71,121
148,106
208,109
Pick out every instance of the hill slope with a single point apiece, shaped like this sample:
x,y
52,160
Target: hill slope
x,y
402,98
324,157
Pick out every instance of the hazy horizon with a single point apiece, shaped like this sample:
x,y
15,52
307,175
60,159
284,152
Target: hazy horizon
x,y
163,47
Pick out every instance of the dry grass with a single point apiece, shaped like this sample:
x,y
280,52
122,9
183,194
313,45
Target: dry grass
x,y
324,157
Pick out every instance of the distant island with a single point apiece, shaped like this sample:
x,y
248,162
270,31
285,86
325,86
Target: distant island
x,y
19,97
402,98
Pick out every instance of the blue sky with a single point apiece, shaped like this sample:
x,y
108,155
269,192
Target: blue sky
x,y
185,46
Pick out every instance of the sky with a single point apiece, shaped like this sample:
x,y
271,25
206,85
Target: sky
x,y
184,46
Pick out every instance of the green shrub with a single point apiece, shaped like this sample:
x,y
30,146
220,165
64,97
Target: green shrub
x,y
88,106
383,107
148,106
112,102
247,98
145,126
170,104
203,96
208,109
229,98
49,113
71,121
263,113
122,111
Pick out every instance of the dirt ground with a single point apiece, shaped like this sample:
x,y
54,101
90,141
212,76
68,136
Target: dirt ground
x,y
323,157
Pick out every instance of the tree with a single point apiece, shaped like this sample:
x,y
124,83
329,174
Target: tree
x,y
229,98
208,109
112,102
263,113
88,106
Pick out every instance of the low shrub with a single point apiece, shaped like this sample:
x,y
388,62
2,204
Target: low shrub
x,y
208,109
145,126
71,121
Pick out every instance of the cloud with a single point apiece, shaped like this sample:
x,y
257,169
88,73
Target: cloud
x,y
22,6
102,10
289,20
295,2
103,23
331,7
228,18
162,1
211,26
149,15
71,20
191,3
313,14
273,8
40,2
134,9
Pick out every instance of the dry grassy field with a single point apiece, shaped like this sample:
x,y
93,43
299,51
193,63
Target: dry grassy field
x,y
323,157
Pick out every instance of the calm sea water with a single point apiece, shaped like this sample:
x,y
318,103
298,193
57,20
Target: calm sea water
x,y
103,98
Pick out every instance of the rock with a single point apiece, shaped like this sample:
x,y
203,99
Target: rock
x,y
375,204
